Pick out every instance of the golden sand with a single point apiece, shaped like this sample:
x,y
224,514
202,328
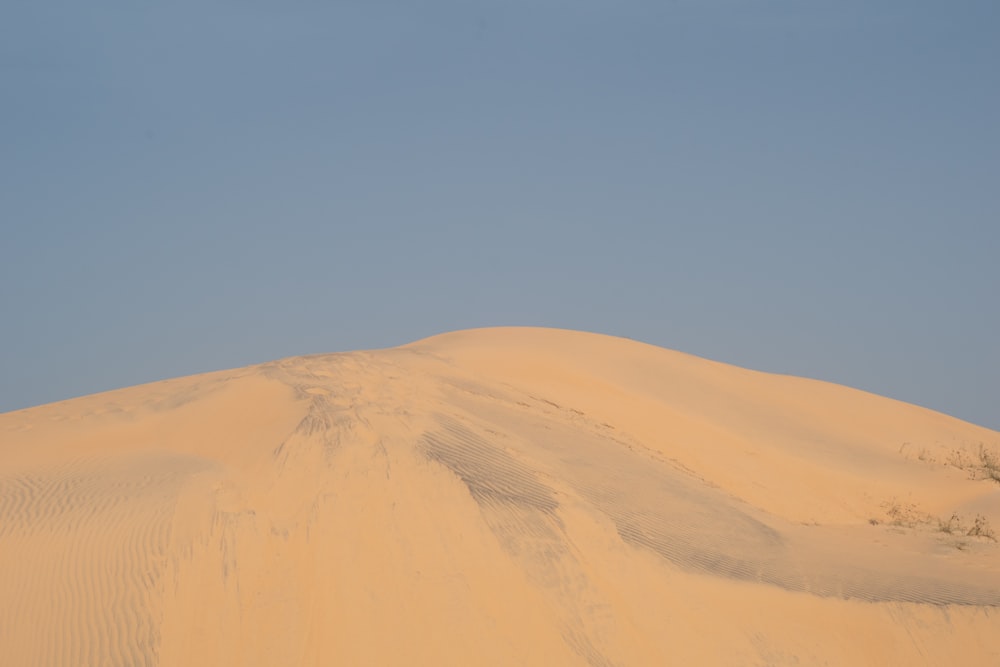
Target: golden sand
x,y
508,496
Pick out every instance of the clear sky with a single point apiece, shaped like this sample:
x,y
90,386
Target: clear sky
x,y
800,186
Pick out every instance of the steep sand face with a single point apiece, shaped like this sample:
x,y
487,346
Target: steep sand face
x,y
499,496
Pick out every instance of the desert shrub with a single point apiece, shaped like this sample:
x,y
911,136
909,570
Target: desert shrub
x,y
989,463
981,528
952,525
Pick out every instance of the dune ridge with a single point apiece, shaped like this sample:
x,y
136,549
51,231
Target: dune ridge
x,y
497,496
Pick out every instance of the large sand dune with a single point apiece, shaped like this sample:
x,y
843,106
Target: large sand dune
x,y
499,496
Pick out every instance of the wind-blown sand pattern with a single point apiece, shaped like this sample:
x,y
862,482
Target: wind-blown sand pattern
x,y
497,496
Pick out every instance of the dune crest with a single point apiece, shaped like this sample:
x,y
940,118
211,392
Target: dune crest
x,y
497,496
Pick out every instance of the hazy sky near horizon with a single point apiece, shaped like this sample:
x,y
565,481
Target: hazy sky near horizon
x,y
806,187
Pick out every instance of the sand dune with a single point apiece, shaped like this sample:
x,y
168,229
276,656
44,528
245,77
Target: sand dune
x,y
498,496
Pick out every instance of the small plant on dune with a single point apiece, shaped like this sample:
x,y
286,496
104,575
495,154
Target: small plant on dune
x,y
905,515
958,459
952,525
984,464
981,528
989,463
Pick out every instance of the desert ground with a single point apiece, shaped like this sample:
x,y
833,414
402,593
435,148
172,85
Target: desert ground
x,y
510,496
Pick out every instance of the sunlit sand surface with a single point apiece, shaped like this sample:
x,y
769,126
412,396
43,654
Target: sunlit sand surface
x,y
497,497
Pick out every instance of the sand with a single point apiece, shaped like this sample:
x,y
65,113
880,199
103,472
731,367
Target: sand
x,y
509,496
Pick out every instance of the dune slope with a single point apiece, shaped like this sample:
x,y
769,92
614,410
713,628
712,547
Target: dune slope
x,y
497,496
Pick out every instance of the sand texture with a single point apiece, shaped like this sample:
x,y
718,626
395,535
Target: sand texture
x,y
508,496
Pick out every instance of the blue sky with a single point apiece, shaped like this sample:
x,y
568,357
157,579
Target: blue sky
x,y
806,187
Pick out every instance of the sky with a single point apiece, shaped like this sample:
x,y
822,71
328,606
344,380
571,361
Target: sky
x,y
806,187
